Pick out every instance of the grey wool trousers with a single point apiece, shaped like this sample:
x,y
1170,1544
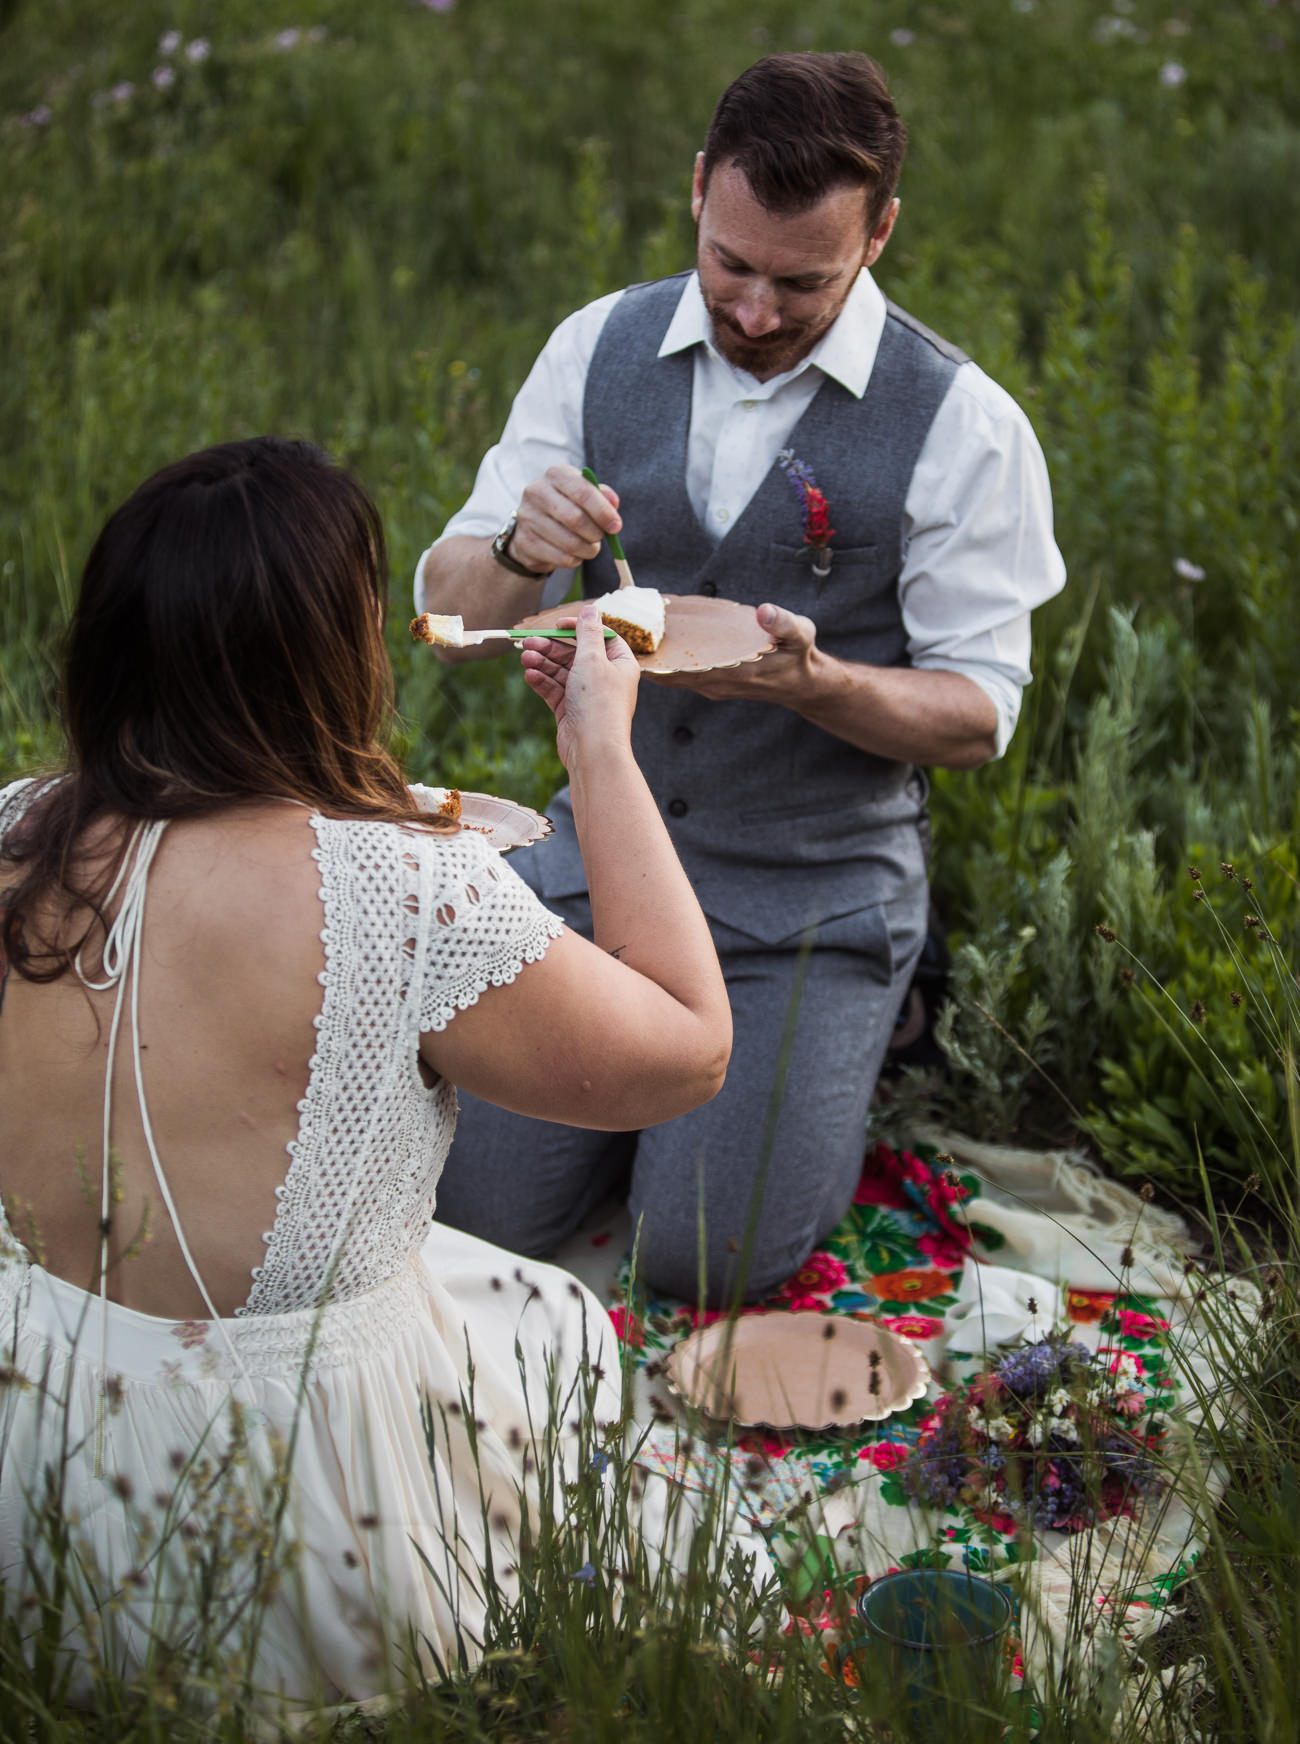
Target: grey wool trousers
x,y
749,1183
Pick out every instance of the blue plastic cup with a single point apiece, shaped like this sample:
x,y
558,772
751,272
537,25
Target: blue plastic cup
x,y
935,1650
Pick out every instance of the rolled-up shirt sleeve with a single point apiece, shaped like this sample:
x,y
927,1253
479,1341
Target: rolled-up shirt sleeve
x,y
544,429
979,552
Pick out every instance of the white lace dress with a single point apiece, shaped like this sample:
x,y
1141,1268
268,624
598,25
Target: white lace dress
x,y
369,1425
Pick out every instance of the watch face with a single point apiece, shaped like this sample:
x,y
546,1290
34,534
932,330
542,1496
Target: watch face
x,y
501,552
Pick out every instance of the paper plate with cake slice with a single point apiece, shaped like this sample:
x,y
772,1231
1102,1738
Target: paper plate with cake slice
x,y
504,822
699,634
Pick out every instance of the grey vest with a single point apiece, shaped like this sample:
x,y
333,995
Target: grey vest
x,y
777,822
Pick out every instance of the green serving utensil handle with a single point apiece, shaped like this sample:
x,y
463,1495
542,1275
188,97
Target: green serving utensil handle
x,y
615,549
558,635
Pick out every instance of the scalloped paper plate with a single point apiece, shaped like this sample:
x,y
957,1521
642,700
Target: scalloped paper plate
x,y
798,1370
504,822
700,633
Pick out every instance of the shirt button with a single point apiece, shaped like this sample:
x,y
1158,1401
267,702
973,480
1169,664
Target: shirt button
x,y
722,516
683,735
749,404
677,808
710,588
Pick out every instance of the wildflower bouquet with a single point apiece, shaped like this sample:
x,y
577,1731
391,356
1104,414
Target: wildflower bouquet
x,y
1053,1436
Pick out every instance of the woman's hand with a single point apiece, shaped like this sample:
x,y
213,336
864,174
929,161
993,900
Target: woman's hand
x,y
634,1026
589,685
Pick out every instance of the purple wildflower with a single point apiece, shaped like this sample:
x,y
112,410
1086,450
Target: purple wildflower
x,y
938,1469
798,472
1031,1370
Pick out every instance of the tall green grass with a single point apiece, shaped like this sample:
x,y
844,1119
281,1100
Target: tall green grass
x,y
362,236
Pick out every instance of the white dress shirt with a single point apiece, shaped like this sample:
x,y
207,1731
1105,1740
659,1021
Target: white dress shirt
x,y
978,551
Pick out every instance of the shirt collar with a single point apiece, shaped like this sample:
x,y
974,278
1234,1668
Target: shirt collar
x,y
846,352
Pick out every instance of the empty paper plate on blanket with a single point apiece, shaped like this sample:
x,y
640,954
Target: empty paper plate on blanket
x,y
800,1370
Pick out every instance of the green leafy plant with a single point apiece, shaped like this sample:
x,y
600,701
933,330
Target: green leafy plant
x,y
1210,1063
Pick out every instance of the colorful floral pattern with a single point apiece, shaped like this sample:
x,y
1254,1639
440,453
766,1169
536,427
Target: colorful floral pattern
x,y
629,1329
1133,1324
896,1257
1086,1307
911,1286
917,1326
812,1285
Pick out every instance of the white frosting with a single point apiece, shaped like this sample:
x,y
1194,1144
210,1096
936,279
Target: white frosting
x,y
431,799
642,606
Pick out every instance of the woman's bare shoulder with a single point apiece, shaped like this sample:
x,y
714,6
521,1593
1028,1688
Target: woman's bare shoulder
x,y
242,880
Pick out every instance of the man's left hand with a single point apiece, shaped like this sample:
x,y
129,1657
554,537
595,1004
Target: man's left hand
x,y
785,674
912,716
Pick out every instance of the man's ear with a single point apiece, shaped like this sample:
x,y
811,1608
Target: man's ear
x,y
697,187
883,231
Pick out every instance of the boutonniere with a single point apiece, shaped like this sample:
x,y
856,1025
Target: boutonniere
x,y
817,529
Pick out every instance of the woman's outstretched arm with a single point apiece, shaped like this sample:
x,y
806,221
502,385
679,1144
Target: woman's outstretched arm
x,y
634,1028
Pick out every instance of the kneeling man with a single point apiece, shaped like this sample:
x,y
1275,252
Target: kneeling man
x,y
775,432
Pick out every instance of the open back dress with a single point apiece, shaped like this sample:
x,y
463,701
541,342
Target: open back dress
x,y
308,1494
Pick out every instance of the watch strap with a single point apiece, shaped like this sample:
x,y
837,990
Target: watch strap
x,y
501,551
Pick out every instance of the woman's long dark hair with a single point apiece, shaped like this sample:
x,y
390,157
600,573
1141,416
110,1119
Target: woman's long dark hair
x,y
227,645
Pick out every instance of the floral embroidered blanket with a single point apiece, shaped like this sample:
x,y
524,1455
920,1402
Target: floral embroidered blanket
x,y
971,1252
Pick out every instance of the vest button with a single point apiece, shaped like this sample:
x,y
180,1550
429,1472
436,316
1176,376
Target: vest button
x,y
677,808
710,588
683,735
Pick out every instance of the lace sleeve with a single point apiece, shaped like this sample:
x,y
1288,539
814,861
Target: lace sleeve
x,y
15,798
484,926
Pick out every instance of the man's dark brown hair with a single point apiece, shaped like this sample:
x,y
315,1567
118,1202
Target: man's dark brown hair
x,y
799,125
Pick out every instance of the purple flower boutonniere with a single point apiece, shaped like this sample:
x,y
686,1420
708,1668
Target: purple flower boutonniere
x,y
817,529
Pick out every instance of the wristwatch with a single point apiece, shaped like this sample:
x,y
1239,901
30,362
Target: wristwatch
x,y
501,551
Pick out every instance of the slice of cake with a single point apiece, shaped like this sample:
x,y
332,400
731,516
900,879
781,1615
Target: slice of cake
x,y
637,614
439,629
443,802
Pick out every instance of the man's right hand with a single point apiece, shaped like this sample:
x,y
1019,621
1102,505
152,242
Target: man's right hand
x,y
562,519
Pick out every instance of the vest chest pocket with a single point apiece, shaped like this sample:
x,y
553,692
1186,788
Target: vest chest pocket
x,y
858,557
857,597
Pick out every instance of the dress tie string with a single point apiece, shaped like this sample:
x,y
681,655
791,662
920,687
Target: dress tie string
x,y
120,964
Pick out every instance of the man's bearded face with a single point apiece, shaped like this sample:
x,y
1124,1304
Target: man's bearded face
x,y
772,282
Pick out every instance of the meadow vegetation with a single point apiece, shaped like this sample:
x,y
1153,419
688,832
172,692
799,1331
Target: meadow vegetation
x,y
357,224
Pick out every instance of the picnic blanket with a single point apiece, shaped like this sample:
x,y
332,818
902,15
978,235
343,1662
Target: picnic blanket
x,y
965,1249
